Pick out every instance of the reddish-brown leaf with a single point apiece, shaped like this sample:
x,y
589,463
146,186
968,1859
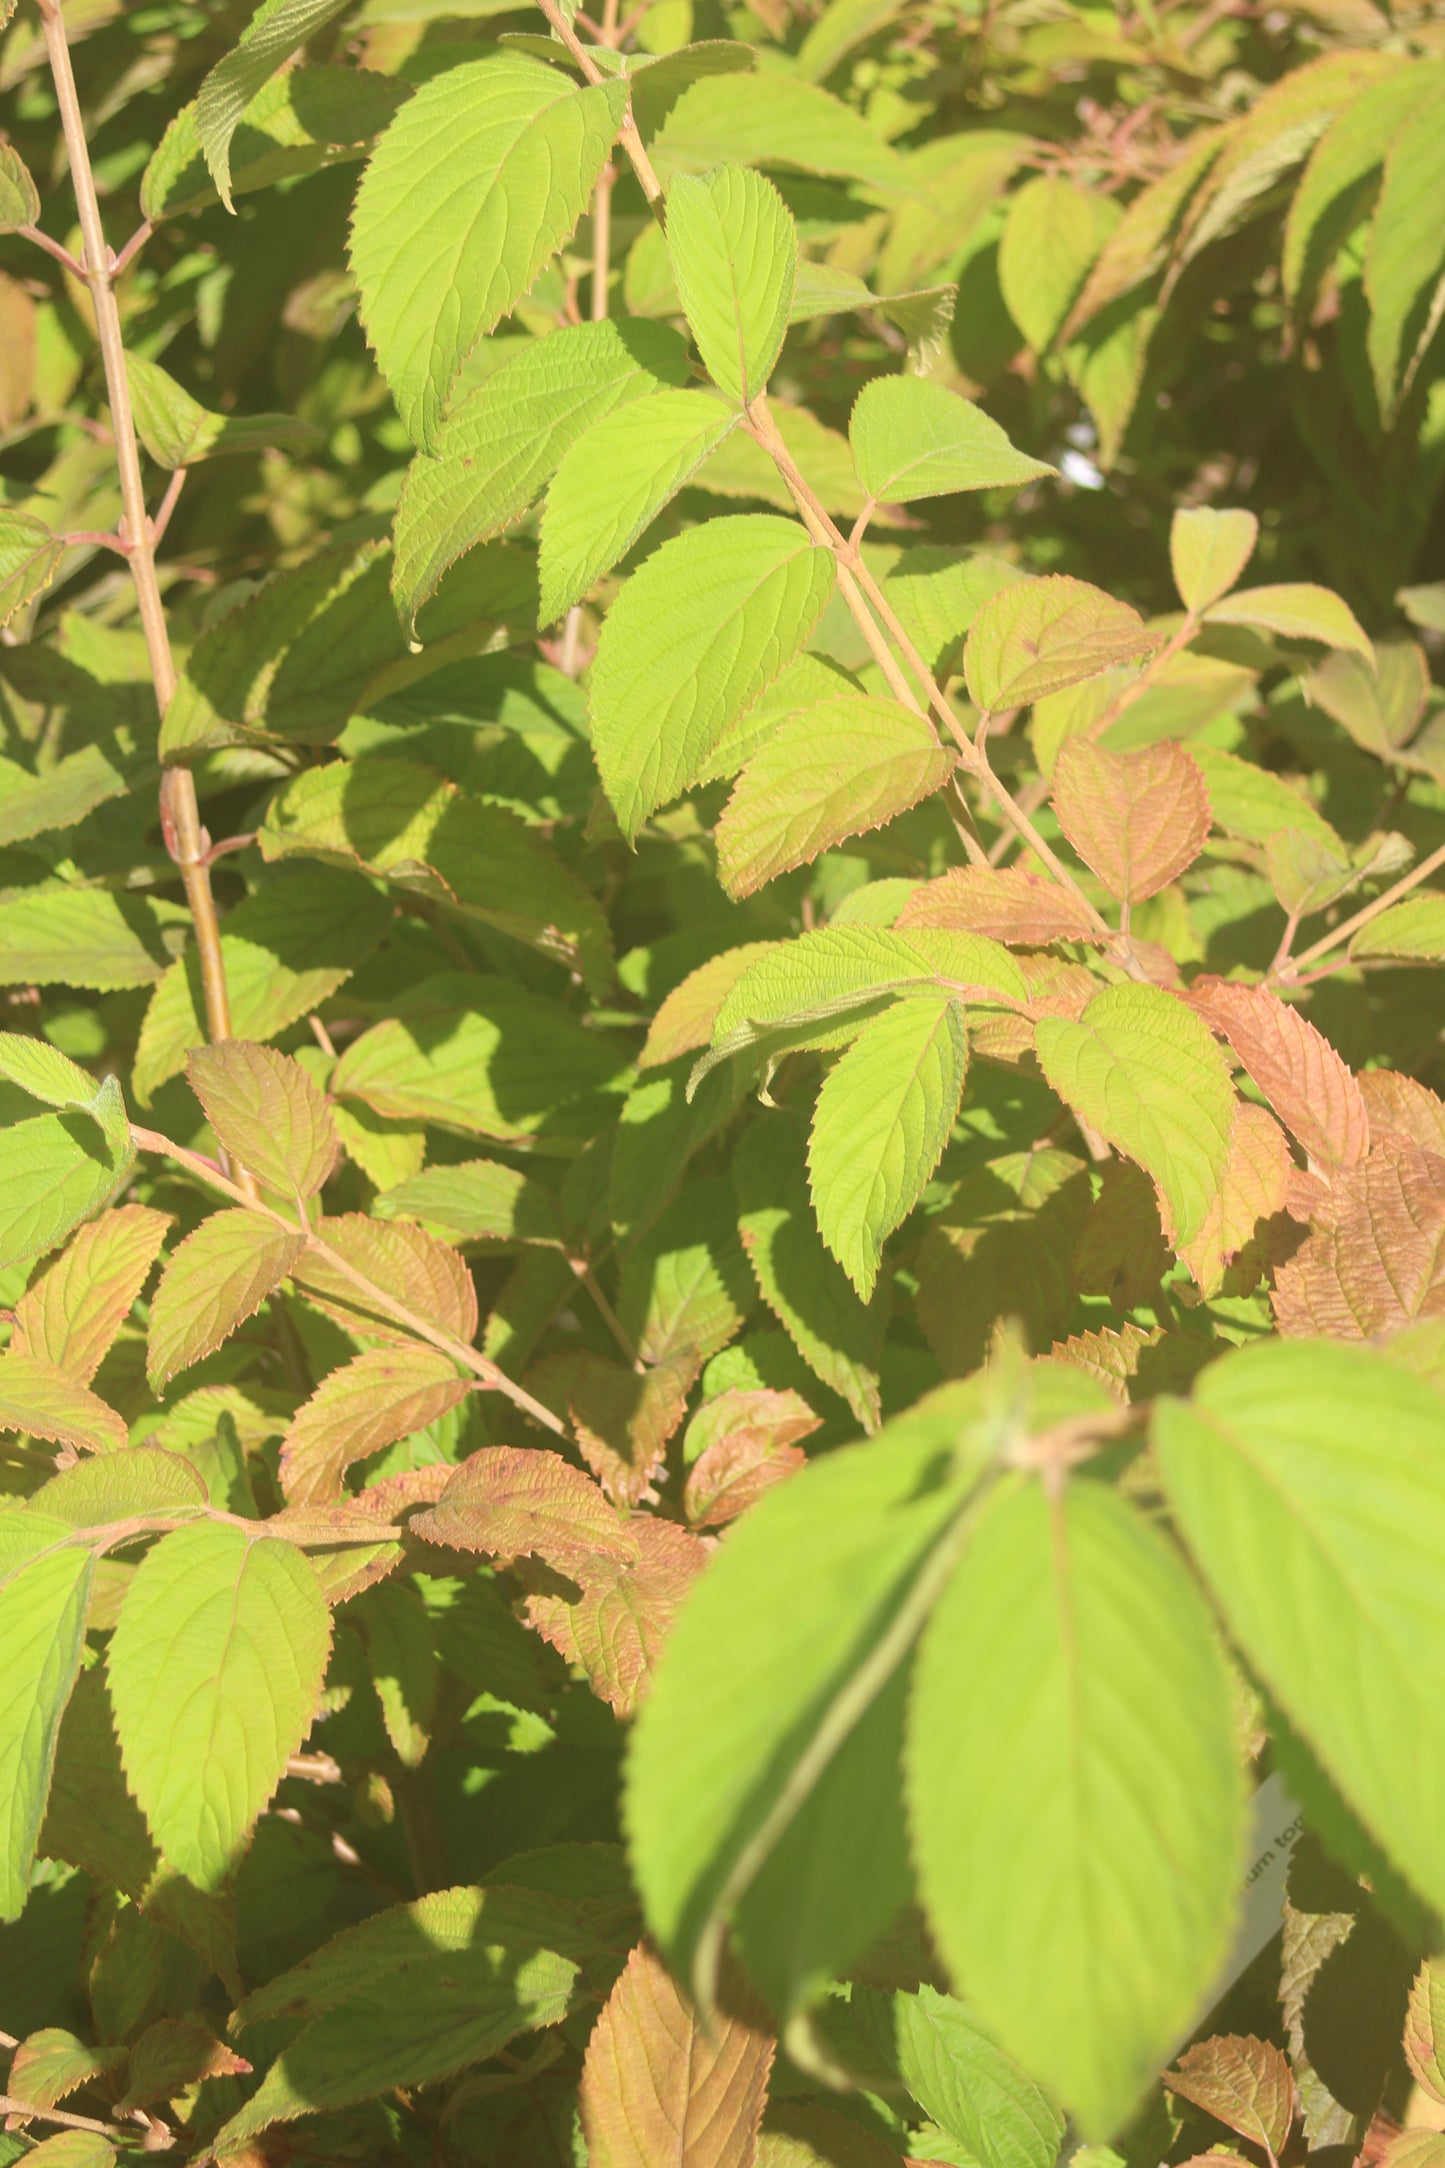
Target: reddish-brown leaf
x,y
623,1418
74,1307
385,1394
1255,1186
1409,1109
1138,818
662,2090
1009,905
740,1445
1310,1087
170,2055
1425,2029
1241,2081
1374,1258
617,1626
1111,1357
518,1502
404,1261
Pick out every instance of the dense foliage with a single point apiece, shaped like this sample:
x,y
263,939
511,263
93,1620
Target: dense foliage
x,y
722,1197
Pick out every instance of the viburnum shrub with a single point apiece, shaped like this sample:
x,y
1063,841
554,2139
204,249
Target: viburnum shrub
x,y
722,1206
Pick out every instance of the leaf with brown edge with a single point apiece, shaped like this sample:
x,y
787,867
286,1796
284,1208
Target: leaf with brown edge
x,y
740,1445
1122,1251
171,2054
623,1418
1009,904
1311,1088
1425,2030
76,1304
1374,1258
616,1627
686,1017
787,806
44,1401
385,1394
1041,635
661,2089
267,1112
52,2063
1240,2081
404,1261
213,1281
1136,819
1410,1109
1254,1187
517,1502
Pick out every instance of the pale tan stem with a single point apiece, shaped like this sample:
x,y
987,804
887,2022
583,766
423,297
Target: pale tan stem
x,y
602,240
181,827
1352,926
31,2111
495,1380
627,134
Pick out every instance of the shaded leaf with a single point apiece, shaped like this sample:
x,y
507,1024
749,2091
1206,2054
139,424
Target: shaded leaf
x,y
278,29
178,431
1241,2081
969,2086
618,1624
1208,551
1254,1187
622,1418
1002,1248
1374,1258
1404,257
740,1445
1297,611
29,554
172,2054
479,1200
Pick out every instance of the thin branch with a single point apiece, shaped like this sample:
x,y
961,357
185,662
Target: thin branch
x,y
32,2111
91,537
52,248
167,504
1351,926
606,1312
377,1298
131,250
180,814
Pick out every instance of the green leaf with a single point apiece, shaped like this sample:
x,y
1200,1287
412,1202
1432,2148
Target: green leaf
x,y
389,817
298,123
267,1112
44,1591
613,482
413,1995
485,1057
440,259
44,1401
772,120
838,1337
768,1746
1145,1071
1338,1609
1052,235
741,468
1041,635
215,1671
1297,611
478,1201
1252,802
278,29
657,84
969,2086
1208,551
685,1283
61,795
19,196
937,594
734,254
883,1117
1330,200
217,1278
1405,254
177,431
56,934
29,554
285,949
506,439
114,1486
55,1170
912,438
1414,928
700,629
1077,1856
785,809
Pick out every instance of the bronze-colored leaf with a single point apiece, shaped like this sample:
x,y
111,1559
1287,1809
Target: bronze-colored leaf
x,y
404,1261
623,1418
385,1394
1410,1109
1310,1087
1254,1188
662,2090
517,1502
1009,905
740,1445
1241,2081
1374,1258
1136,819
74,1307
616,1626
1425,2030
